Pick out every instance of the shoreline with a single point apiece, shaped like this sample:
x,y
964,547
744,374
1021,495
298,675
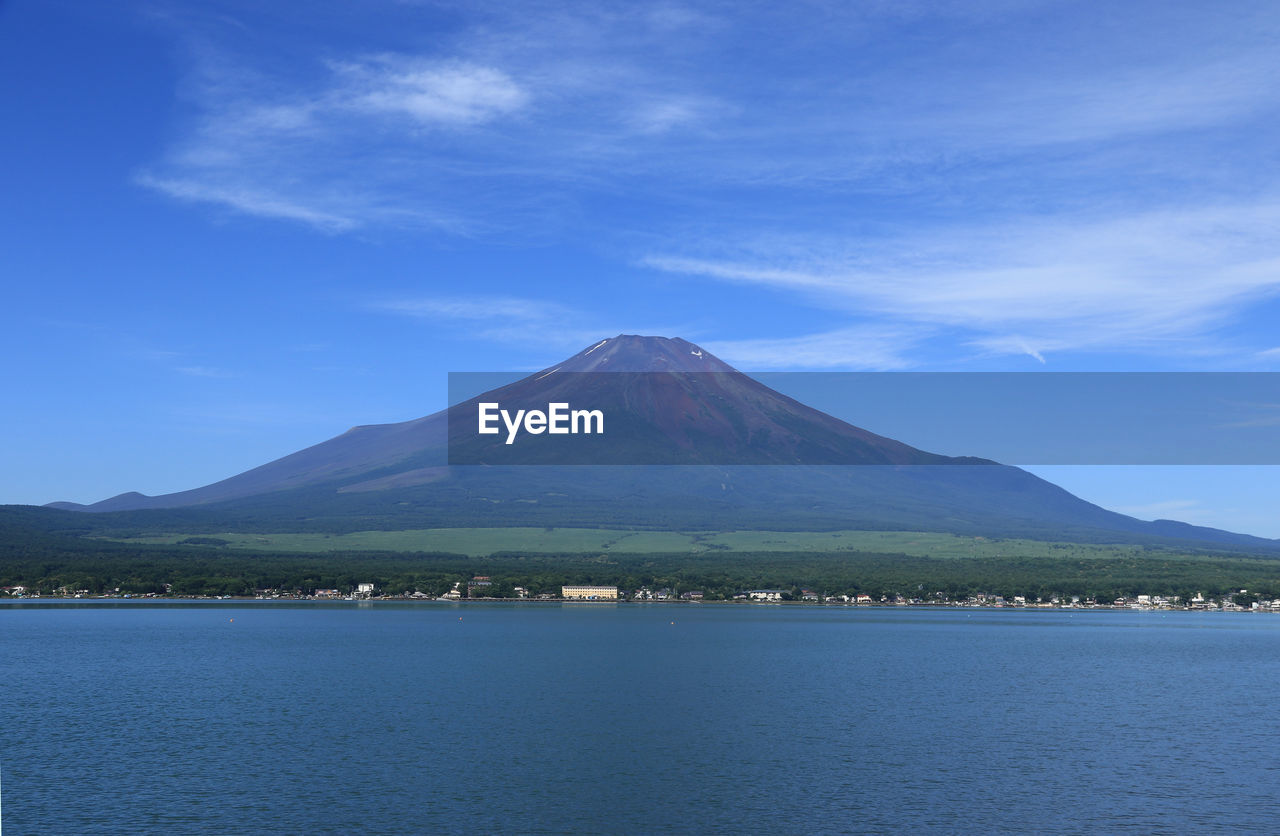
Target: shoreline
x,y
245,599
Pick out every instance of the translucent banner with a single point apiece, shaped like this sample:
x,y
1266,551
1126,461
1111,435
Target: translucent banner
x,y
854,418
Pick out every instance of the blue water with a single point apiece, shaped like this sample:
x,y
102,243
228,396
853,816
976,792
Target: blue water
x,y
433,718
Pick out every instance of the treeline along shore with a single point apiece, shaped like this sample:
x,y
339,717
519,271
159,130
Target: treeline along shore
x,y
37,560
108,568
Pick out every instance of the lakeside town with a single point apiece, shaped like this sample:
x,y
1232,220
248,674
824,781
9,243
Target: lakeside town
x,y
480,586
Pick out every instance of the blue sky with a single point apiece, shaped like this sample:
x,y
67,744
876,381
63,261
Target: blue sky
x,y
233,229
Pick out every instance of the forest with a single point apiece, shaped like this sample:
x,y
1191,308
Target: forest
x,y
197,571
44,559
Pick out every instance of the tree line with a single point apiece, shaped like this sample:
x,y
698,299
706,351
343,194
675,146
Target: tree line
x,y
99,567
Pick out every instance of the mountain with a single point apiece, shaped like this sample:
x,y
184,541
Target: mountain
x,y
676,376
692,444
670,402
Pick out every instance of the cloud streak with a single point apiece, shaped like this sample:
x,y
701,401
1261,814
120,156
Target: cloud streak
x,y
1153,279
1015,176
345,150
1180,509
487,131
516,100
512,320
868,347
428,93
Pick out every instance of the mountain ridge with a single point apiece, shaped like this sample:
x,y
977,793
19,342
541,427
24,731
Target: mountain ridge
x,y
398,474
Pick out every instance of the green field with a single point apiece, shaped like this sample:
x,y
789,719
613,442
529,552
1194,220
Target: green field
x,y
479,542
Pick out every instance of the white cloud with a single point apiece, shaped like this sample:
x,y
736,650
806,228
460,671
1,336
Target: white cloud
x,y
660,114
1197,512
531,323
534,322
518,108
615,124
341,151
869,347
478,308
1258,415
427,92
1096,104
489,130
1187,510
247,200
1157,278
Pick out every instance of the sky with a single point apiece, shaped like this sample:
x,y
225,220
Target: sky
x,y
231,230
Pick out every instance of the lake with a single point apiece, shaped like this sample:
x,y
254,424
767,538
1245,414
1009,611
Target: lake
x,y
270,717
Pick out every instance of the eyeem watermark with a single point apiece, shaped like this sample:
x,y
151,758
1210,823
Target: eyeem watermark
x,y
558,419
724,418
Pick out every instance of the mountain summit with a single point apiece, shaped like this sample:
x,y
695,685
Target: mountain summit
x,y
634,353
670,402
692,444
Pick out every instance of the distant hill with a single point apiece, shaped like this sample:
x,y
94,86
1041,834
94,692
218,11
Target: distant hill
x,y
723,451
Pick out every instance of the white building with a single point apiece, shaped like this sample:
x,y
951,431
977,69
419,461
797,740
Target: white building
x,y
586,592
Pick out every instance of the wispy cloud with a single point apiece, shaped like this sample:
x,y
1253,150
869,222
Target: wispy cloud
x,y
518,99
1010,111
1181,509
1213,514
466,136
248,200
511,320
224,418
203,371
1035,181
431,94
1263,415
872,347
185,363
473,308
1033,287
340,150
660,114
